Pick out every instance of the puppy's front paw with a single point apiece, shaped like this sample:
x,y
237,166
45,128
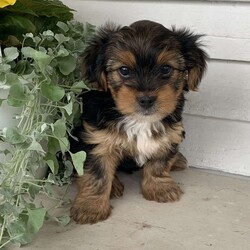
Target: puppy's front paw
x,y
90,212
161,190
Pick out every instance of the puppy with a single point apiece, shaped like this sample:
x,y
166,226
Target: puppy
x,y
143,71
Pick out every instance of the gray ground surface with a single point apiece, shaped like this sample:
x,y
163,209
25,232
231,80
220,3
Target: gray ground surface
x,y
213,213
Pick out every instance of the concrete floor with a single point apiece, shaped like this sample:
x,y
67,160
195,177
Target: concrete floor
x,y
214,213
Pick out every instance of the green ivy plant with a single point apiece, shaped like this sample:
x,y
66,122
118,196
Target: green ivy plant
x,y
43,79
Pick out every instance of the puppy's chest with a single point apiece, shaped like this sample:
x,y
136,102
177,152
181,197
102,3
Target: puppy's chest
x,y
145,140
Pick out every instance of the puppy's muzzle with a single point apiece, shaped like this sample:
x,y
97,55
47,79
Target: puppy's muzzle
x,y
146,101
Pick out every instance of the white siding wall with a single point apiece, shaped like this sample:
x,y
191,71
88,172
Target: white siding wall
x,y
217,118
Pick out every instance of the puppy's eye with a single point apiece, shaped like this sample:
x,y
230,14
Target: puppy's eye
x,y
166,71
124,72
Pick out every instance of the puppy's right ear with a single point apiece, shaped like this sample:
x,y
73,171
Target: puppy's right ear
x,y
93,58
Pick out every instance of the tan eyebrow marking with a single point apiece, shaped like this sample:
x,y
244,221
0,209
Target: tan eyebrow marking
x,y
171,58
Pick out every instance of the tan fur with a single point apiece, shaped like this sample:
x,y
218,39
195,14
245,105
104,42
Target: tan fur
x,y
126,58
166,99
194,76
126,100
175,133
157,184
180,162
122,58
117,188
92,202
171,58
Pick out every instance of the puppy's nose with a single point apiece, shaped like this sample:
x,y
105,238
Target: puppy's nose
x,y
146,101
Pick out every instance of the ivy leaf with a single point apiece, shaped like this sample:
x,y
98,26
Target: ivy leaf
x,y
48,188
66,64
17,91
63,220
69,168
42,59
33,190
13,136
68,108
61,38
28,52
12,79
78,160
7,208
53,145
5,68
52,92
2,79
52,162
51,165
17,230
79,46
62,52
63,26
59,128
35,219
35,146
77,87
51,180
48,33
10,54
14,103
59,144
64,144
18,95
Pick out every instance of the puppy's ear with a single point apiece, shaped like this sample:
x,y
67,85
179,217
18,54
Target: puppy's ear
x,y
93,58
195,57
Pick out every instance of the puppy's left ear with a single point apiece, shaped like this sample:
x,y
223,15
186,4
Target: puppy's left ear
x,y
93,58
195,57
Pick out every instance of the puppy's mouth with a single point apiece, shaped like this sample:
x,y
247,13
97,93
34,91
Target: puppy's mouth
x,y
146,112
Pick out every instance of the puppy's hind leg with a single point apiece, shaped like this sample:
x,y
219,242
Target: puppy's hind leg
x,y
180,162
117,188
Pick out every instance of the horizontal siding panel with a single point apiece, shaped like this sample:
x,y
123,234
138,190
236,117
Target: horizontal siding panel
x,y
235,49
212,18
226,24
223,93
217,144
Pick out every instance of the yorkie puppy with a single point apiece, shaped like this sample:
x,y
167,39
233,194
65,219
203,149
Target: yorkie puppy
x,y
141,72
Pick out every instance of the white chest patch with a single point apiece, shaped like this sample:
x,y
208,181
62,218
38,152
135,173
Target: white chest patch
x,y
142,133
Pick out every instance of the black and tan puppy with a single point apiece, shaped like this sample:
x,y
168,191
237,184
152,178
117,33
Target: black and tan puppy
x,y
143,70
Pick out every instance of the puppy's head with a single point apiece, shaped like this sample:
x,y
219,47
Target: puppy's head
x,y
146,66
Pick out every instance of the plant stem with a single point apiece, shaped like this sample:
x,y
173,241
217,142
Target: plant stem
x,y
2,231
